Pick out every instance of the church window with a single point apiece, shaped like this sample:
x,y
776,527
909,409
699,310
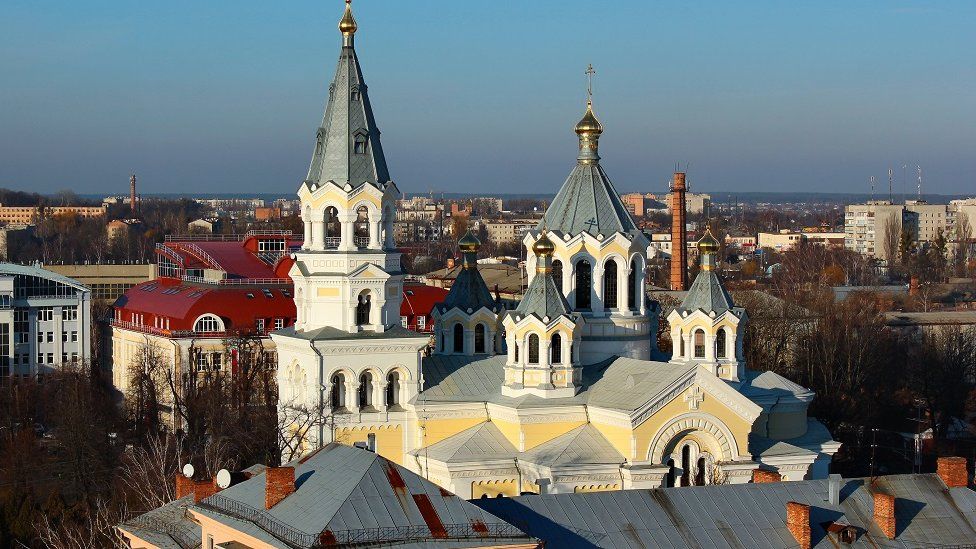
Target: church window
x,y
361,227
393,389
632,286
338,391
610,284
359,145
681,339
516,352
720,343
584,277
458,338
699,344
365,390
557,349
669,480
533,349
479,338
354,94
700,472
208,323
557,274
685,465
363,308
332,227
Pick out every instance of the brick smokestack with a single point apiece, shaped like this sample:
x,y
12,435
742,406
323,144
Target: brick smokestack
x,y
884,513
760,476
953,472
798,523
184,486
679,237
279,484
132,195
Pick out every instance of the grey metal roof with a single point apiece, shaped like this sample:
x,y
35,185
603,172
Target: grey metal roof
x,y
483,441
588,202
329,333
770,383
584,445
469,291
543,298
167,527
355,494
334,157
708,294
619,383
744,515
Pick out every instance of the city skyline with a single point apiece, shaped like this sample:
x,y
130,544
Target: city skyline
x,y
206,98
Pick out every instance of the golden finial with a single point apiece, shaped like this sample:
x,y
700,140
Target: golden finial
x,y
469,242
347,25
707,247
589,125
543,246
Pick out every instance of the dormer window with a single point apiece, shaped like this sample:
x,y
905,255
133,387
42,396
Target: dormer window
x,y
354,95
359,145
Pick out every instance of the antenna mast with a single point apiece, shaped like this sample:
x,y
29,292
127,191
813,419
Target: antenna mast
x,y
919,170
891,174
872,187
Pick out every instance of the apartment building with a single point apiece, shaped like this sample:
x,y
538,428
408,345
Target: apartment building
x,y
28,215
508,231
868,227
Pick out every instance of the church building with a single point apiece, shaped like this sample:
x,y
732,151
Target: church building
x,y
565,393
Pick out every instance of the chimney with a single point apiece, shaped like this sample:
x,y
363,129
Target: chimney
x,y
833,489
761,476
953,471
203,489
280,483
679,236
798,522
132,195
184,485
884,513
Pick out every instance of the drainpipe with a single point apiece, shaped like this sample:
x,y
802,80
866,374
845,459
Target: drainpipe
x,y
321,402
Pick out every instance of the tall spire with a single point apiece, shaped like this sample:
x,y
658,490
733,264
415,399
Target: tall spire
x,y
589,128
347,143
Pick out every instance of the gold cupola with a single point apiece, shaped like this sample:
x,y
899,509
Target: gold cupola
x,y
347,25
707,248
469,246
589,125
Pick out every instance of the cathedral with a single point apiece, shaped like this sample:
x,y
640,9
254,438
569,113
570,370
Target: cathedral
x,y
565,393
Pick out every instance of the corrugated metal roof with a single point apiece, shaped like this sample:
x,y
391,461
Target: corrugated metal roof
x,y
584,445
744,515
167,527
481,442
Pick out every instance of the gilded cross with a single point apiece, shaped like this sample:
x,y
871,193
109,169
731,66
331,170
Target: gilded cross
x,y
694,398
589,81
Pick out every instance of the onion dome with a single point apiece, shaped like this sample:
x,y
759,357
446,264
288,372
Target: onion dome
x,y
469,243
589,125
543,246
347,25
708,244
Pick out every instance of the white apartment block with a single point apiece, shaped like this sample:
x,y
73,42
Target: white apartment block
x,y
866,226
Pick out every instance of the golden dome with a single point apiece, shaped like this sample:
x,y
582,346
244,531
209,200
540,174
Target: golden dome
x,y
347,25
708,244
543,246
469,242
589,124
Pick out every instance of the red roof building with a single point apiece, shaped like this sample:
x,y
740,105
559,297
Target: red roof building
x,y
418,303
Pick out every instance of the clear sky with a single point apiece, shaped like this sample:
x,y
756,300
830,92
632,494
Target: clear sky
x,y
474,96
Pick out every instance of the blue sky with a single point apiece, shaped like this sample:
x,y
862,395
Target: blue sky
x,y
225,96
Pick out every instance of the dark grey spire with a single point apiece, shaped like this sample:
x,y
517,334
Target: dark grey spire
x,y
469,290
347,143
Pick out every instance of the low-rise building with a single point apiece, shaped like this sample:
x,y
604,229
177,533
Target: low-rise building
x,y
30,214
781,241
45,320
418,303
107,281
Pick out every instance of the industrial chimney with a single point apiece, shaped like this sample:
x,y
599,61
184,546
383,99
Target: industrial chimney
x,y
132,195
679,237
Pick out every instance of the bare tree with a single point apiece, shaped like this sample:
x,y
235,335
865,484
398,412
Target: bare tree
x,y
146,375
95,528
298,424
891,230
149,470
941,368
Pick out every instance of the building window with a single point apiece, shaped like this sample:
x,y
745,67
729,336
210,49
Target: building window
x,y
365,390
338,392
669,480
556,349
479,338
45,313
21,326
720,343
584,277
458,338
632,286
359,146
74,336
610,284
533,349
40,337
354,95
69,313
50,358
421,322
681,338
208,323
393,389
362,309
259,325
403,322
557,274
699,344
279,323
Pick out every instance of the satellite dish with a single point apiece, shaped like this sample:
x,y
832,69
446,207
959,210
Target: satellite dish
x,y
223,479
188,470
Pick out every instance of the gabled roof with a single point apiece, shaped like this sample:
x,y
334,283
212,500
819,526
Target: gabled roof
x,y
166,527
348,115
588,202
708,294
345,493
543,299
584,445
481,442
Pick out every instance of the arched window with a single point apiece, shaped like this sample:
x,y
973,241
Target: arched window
x,y
557,274
632,286
338,397
393,389
720,343
208,323
533,349
669,480
363,308
699,344
333,229
458,338
584,280
361,227
610,284
479,338
556,351
700,472
365,390
681,339
685,465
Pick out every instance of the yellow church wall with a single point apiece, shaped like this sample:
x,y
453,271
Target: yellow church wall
x,y
494,488
537,433
586,488
510,430
436,430
619,437
389,439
